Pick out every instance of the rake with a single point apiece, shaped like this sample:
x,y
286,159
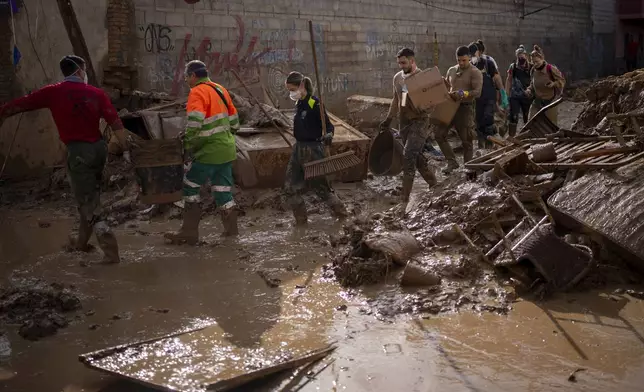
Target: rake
x,y
331,163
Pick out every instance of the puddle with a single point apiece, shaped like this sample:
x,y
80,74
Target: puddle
x,y
162,288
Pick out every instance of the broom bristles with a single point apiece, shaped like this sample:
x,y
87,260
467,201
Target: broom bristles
x,y
332,164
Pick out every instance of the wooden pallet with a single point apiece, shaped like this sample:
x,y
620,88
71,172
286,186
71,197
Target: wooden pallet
x,y
566,147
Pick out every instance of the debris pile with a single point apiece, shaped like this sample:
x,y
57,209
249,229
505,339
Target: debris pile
x,y
38,307
425,251
251,115
615,94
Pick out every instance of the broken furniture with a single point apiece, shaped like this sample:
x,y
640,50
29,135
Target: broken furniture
x,y
264,148
159,168
539,125
568,151
607,206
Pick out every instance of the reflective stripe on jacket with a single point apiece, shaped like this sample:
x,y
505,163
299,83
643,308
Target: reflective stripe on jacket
x,y
212,123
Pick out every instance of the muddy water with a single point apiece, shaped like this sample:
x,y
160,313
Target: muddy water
x,y
160,289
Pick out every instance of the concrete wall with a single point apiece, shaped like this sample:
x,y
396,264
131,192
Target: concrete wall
x,y
37,144
356,45
358,39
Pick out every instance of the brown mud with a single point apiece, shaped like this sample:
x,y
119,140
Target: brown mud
x,y
471,331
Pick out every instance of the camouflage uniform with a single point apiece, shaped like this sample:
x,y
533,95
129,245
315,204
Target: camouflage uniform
x,y
414,134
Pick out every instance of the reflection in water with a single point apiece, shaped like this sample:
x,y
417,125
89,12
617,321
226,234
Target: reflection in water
x,y
534,348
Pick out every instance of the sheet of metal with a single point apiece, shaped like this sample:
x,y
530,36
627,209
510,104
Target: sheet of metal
x,y
608,205
198,360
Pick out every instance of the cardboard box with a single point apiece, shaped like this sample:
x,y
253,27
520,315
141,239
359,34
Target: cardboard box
x,y
443,113
427,88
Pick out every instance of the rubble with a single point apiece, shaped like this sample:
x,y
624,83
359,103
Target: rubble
x,y
615,94
38,307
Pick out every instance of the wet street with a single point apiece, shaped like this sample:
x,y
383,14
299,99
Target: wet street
x,y
159,289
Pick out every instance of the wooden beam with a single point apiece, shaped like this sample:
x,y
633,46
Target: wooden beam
x,y
76,38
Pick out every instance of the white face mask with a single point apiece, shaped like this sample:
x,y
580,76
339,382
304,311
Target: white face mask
x,y
475,59
295,95
85,78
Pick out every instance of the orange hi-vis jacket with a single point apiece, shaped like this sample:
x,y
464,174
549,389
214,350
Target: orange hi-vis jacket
x,y
212,124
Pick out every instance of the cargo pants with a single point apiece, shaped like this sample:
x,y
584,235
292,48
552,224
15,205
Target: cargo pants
x,y
414,135
539,104
485,109
295,183
465,127
221,182
85,164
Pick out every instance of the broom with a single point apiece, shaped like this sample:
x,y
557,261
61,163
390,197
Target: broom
x,y
331,163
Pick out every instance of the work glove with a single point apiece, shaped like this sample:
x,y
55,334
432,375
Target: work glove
x,y
384,126
327,139
504,100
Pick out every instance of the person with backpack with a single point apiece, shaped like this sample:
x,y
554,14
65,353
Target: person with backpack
x,y
209,144
516,84
486,103
546,84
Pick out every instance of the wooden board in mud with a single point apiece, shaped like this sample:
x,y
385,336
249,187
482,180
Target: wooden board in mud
x,y
609,206
200,359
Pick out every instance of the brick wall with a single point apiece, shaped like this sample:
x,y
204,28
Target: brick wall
x,y
357,39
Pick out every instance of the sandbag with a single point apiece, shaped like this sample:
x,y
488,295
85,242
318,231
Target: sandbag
x,y
399,246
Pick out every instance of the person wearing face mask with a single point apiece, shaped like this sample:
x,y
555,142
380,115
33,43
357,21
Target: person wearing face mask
x,y
77,108
309,146
414,125
486,102
546,85
464,82
516,84
209,145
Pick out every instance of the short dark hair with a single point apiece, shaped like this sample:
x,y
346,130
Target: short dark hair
x,y
405,52
70,64
198,68
462,51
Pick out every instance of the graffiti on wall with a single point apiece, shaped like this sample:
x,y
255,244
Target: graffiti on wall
x,y
382,45
263,57
157,38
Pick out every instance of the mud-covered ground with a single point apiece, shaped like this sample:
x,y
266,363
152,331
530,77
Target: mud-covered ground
x,y
467,326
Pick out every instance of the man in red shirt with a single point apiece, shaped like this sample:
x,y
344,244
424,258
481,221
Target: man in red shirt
x,y
77,109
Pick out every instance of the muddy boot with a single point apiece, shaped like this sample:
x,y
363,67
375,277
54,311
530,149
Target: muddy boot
x,y
79,242
407,184
338,208
189,232
109,246
512,130
428,175
451,166
299,212
229,220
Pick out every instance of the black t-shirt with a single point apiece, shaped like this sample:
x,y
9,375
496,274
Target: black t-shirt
x,y
489,71
520,79
307,124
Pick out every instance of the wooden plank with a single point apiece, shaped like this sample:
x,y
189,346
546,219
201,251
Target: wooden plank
x,y
75,35
603,151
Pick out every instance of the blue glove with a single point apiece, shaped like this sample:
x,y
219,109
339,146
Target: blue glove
x,y
504,100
